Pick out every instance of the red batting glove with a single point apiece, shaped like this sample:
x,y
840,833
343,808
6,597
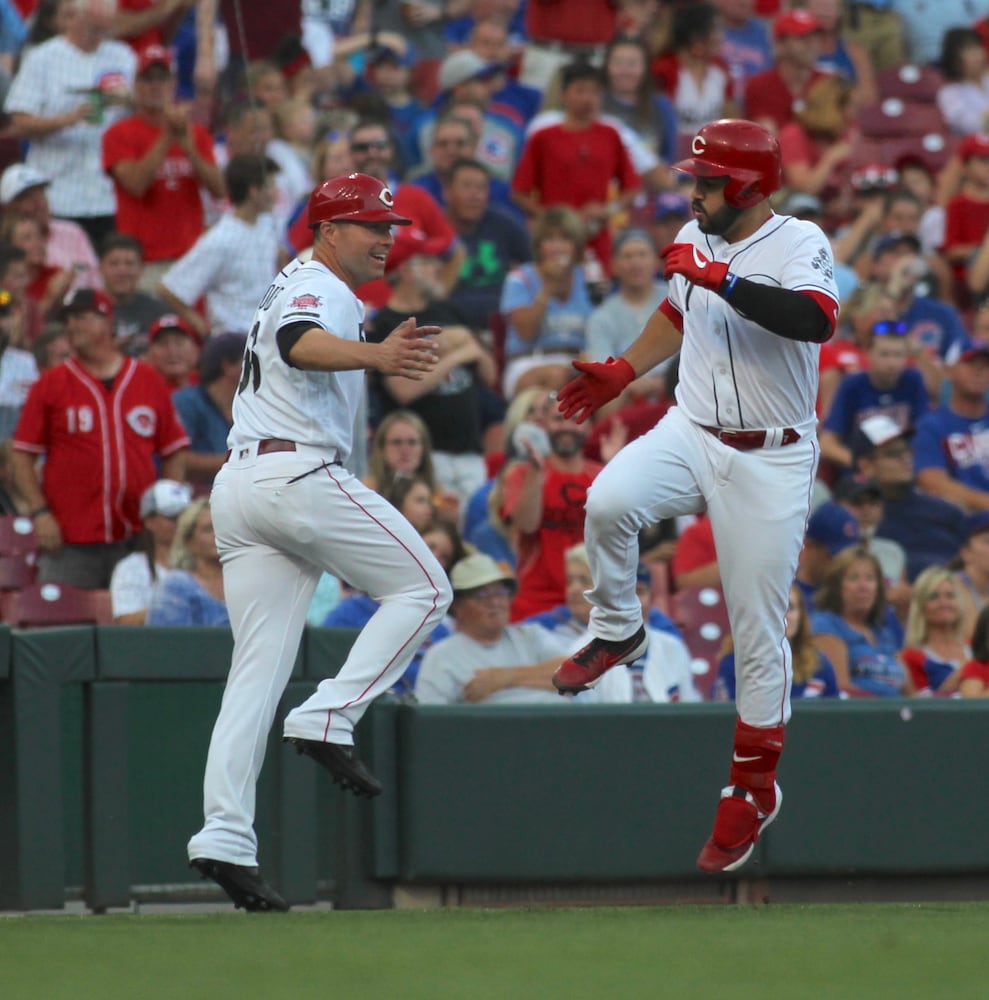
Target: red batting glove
x,y
598,383
687,260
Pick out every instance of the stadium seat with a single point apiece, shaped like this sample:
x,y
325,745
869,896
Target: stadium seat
x,y
17,571
701,614
425,80
17,535
893,117
55,604
917,84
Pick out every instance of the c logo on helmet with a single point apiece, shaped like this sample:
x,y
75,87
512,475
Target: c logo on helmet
x,y
386,198
698,146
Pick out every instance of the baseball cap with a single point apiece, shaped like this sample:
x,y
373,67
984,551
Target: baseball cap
x,y
802,203
894,241
879,429
413,243
871,177
17,179
852,488
795,24
172,321
86,300
670,203
478,570
166,496
381,53
973,145
975,524
464,65
833,526
154,55
972,350
627,236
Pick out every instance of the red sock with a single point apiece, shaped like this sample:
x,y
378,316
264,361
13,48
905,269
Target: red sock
x,y
753,762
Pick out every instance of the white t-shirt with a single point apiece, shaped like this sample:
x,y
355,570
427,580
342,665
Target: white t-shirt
x,y
54,78
450,664
131,584
231,264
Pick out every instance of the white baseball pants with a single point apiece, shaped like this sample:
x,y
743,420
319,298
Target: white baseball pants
x,y
758,502
275,538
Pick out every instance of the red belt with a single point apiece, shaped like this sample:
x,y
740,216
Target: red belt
x,y
266,445
747,440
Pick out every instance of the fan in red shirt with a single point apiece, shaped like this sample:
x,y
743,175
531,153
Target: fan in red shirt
x,y
967,213
101,420
158,160
770,96
46,284
579,162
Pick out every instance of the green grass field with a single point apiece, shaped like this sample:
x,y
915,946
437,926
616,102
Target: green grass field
x,y
775,952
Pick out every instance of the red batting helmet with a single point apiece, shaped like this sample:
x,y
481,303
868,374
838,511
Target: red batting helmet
x,y
353,198
742,151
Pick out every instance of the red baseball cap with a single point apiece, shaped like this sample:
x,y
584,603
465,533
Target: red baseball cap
x,y
413,243
172,321
86,300
795,24
155,55
972,146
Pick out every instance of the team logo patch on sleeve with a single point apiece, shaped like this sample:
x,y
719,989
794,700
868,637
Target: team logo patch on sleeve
x,y
821,261
306,302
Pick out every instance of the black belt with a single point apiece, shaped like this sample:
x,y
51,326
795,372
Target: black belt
x,y
268,445
748,440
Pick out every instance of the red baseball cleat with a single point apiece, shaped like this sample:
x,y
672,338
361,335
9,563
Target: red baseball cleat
x,y
737,826
588,665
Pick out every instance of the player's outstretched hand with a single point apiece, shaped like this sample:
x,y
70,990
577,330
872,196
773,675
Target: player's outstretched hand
x,y
409,350
685,259
598,383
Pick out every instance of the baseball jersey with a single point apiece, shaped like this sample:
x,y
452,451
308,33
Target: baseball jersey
x,y
275,400
733,372
959,445
99,444
227,264
54,78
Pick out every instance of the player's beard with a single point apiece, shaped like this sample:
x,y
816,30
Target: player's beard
x,y
720,222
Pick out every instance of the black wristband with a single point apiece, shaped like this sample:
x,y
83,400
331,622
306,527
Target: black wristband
x,y
728,285
38,511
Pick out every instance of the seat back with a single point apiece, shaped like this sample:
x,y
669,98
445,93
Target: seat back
x,y
894,117
17,535
17,571
909,82
701,614
55,604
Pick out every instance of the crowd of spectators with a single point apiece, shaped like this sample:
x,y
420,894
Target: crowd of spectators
x,y
157,157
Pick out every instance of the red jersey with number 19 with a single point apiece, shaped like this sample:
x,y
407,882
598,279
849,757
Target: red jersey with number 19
x,y
99,444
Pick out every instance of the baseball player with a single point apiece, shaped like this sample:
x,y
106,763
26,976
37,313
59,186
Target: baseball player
x,y
285,510
751,297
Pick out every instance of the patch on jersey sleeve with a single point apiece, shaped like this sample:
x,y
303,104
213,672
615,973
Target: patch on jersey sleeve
x,y
821,261
311,302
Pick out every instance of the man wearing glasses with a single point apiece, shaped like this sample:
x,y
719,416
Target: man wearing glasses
x,y
487,659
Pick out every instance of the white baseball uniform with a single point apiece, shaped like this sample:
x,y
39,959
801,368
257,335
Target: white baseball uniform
x,y
736,375
281,518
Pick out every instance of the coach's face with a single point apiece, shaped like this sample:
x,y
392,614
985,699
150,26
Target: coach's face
x,y
707,201
358,250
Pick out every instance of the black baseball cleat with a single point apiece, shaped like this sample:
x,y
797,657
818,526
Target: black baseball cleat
x,y
243,885
345,767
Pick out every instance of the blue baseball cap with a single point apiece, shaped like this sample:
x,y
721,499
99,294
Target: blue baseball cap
x,y
834,527
670,203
